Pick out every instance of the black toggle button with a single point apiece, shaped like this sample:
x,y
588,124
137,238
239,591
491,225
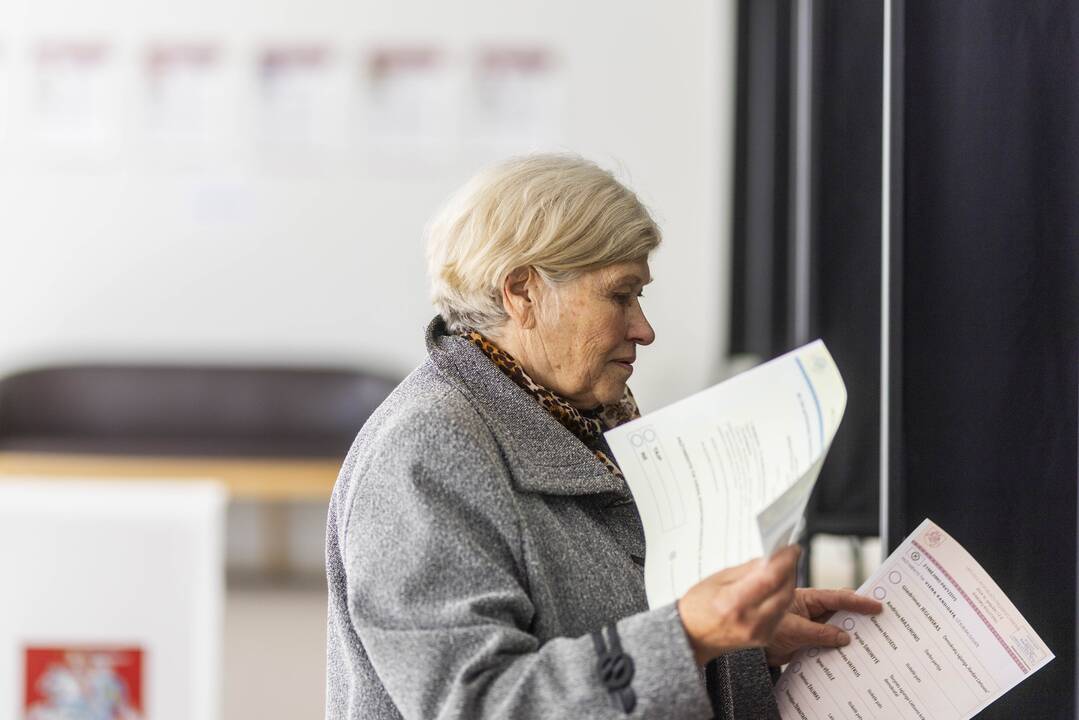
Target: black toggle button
x,y
615,671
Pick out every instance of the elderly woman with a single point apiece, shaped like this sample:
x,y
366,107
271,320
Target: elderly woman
x,y
485,556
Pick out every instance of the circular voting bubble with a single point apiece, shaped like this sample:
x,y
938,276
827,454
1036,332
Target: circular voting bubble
x,y
813,652
636,439
915,556
796,666
879,593
848,623
894,577
650,435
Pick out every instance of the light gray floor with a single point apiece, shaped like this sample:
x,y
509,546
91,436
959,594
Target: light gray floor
x,y
275,654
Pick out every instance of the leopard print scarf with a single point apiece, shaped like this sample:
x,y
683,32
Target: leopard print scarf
x,y
587,426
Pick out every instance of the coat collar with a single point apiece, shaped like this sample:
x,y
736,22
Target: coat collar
x,y
544,456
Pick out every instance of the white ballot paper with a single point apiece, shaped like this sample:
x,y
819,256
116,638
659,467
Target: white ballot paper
x,y
947,644
724,475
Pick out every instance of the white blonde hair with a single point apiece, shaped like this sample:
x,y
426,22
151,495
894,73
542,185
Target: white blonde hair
x,y
559,214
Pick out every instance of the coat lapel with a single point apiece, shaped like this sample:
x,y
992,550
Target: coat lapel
x,y
544,456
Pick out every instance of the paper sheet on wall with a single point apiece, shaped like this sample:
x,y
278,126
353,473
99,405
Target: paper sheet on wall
x,y
75,93
411,101
516,99
947,644
294,95
185,94
724,475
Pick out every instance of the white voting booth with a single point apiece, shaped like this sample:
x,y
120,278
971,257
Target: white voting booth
x,y
112,599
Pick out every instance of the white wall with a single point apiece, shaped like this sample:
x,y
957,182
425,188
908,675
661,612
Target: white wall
x,y
241,258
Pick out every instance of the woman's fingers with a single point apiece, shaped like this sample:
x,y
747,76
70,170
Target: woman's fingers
x,y
819,602
737,572
796,632
787,555
765,597
768,578
772,609
799,633
739,607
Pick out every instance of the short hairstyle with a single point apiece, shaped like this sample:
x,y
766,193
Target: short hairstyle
x,y
559,214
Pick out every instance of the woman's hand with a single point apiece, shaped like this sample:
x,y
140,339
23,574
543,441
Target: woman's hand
x,y
803,625
739,607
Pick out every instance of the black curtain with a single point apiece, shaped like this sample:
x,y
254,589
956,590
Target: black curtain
x,y
982,292
989,306
846,288
760,322
844,225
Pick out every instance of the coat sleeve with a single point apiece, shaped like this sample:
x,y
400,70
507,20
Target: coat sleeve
x,y
439,599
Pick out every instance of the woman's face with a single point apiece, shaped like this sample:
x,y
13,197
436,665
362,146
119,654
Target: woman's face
x,y
586,335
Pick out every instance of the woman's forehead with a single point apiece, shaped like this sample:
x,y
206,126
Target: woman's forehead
x,y
627,273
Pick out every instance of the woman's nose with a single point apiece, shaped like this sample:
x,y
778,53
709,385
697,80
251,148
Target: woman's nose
x,y
640,330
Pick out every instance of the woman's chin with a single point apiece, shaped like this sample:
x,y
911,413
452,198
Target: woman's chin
x,y
607,391
611,392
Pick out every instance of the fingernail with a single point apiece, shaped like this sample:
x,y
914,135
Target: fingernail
x,y
843,638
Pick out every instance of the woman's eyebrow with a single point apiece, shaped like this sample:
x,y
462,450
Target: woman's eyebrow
x,y
631,278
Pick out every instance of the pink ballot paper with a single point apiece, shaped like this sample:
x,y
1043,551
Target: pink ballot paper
x,y
947,644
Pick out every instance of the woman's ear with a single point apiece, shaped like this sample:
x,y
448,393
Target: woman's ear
x,y
519,296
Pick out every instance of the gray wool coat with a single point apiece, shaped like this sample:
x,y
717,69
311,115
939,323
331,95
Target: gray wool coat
x,y
473,546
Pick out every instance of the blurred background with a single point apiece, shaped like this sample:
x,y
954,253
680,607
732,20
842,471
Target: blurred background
x,y
211,242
